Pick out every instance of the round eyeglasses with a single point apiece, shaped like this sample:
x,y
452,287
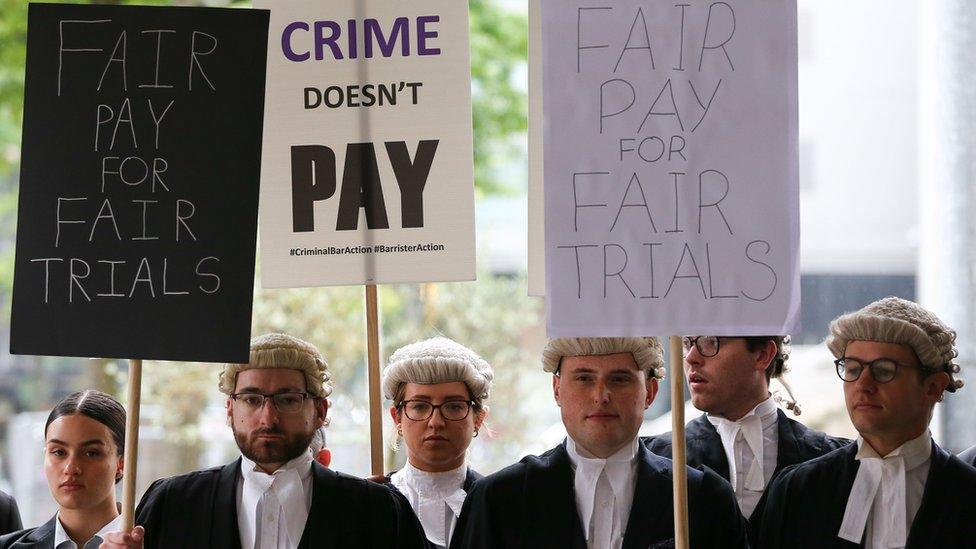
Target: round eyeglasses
x,y
421,410
882,370
286,403
707,345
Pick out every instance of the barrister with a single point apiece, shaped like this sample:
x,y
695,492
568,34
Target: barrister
x,y
743,435
600,488
895,487
275,496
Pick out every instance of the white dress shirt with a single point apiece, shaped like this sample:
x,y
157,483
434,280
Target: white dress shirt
x,y
62,541
437,499
272,509
751,448
604,491
887,493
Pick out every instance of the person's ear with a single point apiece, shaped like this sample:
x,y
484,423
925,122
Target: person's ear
x,y
321,411
766,355
651,391
555,388
935,386
479,418
230,412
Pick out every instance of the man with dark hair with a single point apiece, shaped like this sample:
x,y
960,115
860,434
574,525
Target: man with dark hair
x,y
742,435
600,488
275,496
895,487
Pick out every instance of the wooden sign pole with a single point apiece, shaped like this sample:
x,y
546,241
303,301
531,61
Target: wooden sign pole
x,y
678,445
373,376
131,445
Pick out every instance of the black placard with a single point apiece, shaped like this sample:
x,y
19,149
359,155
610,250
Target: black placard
x,y
139,182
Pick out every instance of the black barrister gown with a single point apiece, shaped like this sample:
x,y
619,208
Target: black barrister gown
x,y
804,506
532,505
199,510
796,443
41,537
9,514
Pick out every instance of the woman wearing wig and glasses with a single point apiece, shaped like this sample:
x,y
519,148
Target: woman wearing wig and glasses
x,y
84,440
438,388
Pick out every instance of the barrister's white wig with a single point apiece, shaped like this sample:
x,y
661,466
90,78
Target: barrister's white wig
x,y
282,351
437,360
647,351
896,320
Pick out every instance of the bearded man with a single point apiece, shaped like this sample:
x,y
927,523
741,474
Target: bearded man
x,y
275,496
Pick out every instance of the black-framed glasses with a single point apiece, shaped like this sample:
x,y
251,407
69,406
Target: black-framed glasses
x,y
286,403
882,370
421,410
707,345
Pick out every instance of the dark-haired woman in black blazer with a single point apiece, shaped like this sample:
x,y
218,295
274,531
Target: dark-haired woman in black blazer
x,y
83,446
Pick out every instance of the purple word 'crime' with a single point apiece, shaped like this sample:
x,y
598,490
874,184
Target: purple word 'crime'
x,y
299,46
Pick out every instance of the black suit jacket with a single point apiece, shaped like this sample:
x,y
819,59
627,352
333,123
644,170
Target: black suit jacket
x,y
9,515
804,507
199,510
532,505
797,443
41,537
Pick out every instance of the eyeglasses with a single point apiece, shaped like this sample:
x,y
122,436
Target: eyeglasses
x,y
286,403
707,345
421,410
882,370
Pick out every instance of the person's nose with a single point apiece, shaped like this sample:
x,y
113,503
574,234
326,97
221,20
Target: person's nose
x,y
601,392
268,413
865,383
436,418
72,466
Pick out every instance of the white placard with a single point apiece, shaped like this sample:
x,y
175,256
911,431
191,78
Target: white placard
x,y
367,170
671,169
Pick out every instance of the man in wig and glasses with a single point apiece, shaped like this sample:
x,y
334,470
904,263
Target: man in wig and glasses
x,y
743,435
895,487
600,488
275,496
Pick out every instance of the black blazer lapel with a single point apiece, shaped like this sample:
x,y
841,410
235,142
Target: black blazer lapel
x,y
933,499
42,537
837,491
550,498
651,516
320,516
225,532
788,450
470,478
705,446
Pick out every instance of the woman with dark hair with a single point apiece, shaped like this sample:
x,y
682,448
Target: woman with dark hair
x,y
84,440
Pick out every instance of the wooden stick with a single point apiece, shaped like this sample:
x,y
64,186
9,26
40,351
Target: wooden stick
x,y
678,445
131,445
373,376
